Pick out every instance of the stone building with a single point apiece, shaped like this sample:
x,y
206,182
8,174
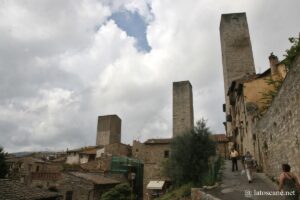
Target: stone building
x,y
183,110
153,153
23,168
237,56
82,185
82,155
115,149
108,130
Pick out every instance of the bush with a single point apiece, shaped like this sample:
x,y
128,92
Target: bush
x,y
190,153
178,193
120,192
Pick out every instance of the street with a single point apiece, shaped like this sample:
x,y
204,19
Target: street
x,y
235,186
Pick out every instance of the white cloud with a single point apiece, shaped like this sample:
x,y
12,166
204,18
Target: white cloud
x,y
63,63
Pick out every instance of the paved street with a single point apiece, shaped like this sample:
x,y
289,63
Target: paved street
x,y
235,186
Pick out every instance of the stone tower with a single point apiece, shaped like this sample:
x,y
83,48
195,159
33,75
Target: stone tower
x,y
237,56
183,111
108,130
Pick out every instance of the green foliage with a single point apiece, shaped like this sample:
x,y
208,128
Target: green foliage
x,y
268,96
190,153
292,52
213,175
3,165
120,192
178,193
290,55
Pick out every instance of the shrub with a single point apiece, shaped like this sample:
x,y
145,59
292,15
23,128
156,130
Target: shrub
x,y
190,153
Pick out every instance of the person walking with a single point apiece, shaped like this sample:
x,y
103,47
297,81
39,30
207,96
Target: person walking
x,y
289,182
249,166
234,156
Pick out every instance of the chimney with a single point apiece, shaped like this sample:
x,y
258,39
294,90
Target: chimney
x,y
273,63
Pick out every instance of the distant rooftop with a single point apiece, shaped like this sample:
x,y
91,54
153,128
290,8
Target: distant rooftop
x,y
159,141
28,158
86,149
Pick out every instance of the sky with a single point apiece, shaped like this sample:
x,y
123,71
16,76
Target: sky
x,y
63,63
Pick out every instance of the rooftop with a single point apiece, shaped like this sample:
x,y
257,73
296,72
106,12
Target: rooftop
x,y
12,190
159,141
89,151
96,178
26,158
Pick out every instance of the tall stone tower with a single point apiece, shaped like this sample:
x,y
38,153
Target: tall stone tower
x,y
108,130
183,111
236,47
237,56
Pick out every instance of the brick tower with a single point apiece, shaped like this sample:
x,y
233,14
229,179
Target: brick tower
x,y
183,111
108,130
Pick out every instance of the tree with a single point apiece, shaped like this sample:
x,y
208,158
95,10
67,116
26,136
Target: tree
x,y
3,165
292,52
268,95
190,153
120,192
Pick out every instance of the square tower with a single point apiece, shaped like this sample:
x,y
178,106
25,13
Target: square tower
x,y
108,130
183,110
237,56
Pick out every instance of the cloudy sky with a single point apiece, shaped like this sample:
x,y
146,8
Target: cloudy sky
x,y
65,62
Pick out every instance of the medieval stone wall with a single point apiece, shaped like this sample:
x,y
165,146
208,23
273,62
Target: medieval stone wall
x,y
278,131
118,149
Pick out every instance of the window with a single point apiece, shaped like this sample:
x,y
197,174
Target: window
x,y
69,195
37,168
166,154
